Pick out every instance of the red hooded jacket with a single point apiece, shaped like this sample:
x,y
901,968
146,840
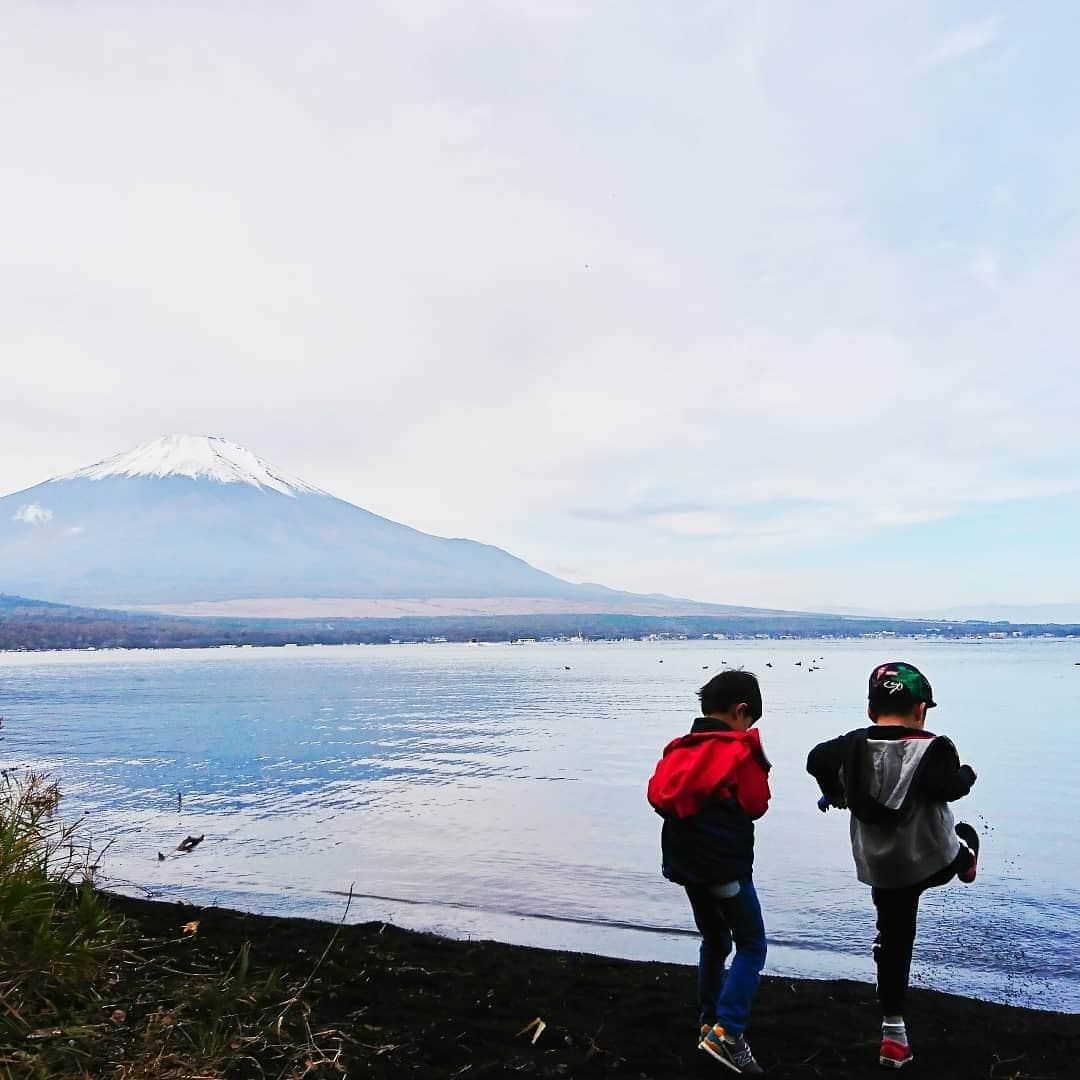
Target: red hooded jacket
x,y
707,766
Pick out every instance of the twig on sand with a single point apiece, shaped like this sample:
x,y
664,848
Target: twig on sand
x,y
1013,1075
536,1027
318,964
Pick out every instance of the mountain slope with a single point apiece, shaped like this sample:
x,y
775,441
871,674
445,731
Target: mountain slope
x,y
186,519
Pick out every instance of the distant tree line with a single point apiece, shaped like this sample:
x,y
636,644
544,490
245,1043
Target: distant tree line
x,y
35,625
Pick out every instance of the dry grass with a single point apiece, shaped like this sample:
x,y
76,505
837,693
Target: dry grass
x,y
82,996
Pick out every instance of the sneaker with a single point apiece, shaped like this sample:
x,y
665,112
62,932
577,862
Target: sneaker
x,y
969,839
705,1029
895,1055
732,1051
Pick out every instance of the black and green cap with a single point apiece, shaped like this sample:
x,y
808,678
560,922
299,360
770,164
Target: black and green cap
x,y
899,683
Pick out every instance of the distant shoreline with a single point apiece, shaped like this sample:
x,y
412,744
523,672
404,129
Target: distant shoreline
x,y
193,646
34,626
386,640
734,640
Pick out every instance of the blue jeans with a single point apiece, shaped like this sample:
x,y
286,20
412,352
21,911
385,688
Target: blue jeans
x,y
725,997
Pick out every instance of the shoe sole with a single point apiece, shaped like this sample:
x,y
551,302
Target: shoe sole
x,y
968,834
892,1063
970,839
704,1045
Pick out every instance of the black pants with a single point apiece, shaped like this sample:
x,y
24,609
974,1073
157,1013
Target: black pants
x,y
897,913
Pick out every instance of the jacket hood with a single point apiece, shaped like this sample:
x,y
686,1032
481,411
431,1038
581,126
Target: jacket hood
x,y
744,743
705,767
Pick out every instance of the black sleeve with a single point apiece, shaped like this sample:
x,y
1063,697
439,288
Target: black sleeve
x,y
825,763
943,776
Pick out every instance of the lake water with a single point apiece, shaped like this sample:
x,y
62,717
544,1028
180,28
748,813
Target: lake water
x,y
499,791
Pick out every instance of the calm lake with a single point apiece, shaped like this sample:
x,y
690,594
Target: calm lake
x,y
499,791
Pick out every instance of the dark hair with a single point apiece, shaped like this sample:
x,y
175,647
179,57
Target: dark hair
x,y
728,689
885,704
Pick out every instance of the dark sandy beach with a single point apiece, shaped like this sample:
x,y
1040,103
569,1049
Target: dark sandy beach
x,y
389,1003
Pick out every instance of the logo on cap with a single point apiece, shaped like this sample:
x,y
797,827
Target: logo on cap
x,y
901,678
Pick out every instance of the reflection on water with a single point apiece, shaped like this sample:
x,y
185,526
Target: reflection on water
x,y
488,790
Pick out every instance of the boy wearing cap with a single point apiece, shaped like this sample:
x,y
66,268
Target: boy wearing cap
x,y
898,779
709,787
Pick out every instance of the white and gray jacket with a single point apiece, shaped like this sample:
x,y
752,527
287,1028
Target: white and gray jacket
x,y
897,782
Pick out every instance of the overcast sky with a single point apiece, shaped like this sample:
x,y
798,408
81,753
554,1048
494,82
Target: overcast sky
x,y
754,303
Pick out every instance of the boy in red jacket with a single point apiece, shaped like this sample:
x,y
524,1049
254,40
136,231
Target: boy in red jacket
x,y
709,787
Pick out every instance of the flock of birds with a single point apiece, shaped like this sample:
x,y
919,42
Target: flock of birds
x,y
813,665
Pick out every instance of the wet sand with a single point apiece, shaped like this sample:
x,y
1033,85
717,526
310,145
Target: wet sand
x,y
417,1005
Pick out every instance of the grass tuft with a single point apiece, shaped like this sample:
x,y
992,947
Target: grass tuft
x,y
82,995
56,932
55,928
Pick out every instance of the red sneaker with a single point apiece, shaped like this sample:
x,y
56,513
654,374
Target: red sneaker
x,y
969,840
894,1055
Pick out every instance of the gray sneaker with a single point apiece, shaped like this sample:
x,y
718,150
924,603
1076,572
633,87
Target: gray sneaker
x,y
732,1051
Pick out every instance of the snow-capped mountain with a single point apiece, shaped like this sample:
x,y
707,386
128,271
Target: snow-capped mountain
x,y
185,519
196,457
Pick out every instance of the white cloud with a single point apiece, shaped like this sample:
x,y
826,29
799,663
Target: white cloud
x,y
32,514
985,268
491,272
964,41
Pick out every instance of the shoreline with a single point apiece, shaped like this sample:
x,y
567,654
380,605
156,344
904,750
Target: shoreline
x,y
35,625
615,939
731,640
403,1002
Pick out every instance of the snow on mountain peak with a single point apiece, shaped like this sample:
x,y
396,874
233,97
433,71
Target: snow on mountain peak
x,y
197,457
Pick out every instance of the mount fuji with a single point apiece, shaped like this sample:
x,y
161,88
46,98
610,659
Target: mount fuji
x,y
188,520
